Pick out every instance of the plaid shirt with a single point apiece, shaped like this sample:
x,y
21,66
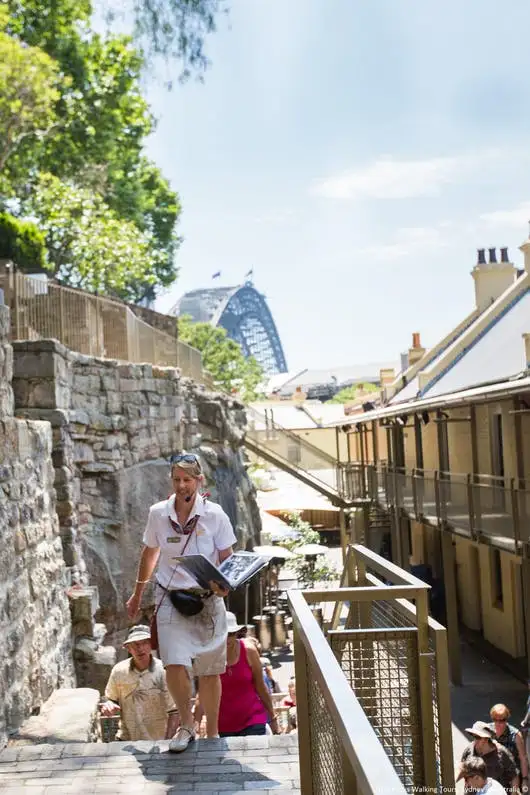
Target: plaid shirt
x,y
143,698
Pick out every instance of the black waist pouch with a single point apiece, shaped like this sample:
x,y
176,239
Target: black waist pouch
x,y
188,604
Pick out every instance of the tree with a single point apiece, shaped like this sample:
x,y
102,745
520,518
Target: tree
x,y
168,28
29,91
223,358
309,570
177,29
89,246
144,196
350,393
23,243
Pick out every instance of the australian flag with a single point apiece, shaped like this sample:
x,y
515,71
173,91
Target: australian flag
x,y
216,275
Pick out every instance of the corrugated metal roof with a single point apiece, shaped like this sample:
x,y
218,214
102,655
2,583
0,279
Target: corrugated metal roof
x,y
495,354
295,418
342,376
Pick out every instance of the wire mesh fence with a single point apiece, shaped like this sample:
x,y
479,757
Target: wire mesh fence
x,y
92,325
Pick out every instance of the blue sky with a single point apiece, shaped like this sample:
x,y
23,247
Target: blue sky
x,y
354,153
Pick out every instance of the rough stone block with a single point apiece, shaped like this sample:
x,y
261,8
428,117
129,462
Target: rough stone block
x,y
68,716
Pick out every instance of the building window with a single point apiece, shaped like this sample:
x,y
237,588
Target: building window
x,y
496,579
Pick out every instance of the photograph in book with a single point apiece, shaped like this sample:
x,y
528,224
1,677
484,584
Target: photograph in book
x,y
233,572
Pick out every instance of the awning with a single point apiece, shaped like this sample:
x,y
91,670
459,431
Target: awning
x,y
478,394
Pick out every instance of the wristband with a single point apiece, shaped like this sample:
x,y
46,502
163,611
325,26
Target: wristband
x,y
141,582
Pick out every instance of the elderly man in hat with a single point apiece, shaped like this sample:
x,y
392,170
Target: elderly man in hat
x,y
137,688
499,762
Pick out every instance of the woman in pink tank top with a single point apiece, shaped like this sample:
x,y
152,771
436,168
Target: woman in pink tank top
x,y
246,704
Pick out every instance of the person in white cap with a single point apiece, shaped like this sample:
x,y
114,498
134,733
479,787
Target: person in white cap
x,y
191,621
137,690
499,762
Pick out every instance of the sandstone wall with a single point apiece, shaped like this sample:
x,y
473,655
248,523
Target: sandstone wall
x,y
114,427
35,653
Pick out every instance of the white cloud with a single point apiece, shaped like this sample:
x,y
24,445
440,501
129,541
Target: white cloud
x,y
390,178
517,217
408,242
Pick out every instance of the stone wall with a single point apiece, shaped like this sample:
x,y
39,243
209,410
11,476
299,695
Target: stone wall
x,y
35,654
114,426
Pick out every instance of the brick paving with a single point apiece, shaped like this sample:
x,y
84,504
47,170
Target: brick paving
x,y
232,766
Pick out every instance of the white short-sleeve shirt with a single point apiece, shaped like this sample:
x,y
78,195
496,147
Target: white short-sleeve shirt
x,y
213,532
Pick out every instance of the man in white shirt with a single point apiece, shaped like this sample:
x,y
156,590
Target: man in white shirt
x,y
137,690
187,524
476,780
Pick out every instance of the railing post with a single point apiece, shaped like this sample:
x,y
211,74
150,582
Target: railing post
x,y
515,515
451,607
471,506
343,535
425,691
414,494
16,304
303,714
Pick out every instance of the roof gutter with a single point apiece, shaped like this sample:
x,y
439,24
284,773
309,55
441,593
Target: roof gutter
x,y
520,383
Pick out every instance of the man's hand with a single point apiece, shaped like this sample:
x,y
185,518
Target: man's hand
x,y
133,606
274,726
109,708
218,589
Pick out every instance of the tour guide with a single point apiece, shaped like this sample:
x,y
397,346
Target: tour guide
x,y
191,623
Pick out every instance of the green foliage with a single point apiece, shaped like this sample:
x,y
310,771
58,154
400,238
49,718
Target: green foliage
x,y
89,246
143,196
30,86
23,243
223,358
170,28
350,393
177,29
308,572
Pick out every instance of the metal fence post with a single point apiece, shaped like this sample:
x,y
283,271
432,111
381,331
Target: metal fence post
x,y
451,607
303,714
425,690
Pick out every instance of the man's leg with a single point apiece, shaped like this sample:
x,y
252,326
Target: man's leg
x,y
210,697
179,685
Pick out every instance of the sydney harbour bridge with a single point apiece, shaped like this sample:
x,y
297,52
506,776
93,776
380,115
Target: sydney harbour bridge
x,y
244,313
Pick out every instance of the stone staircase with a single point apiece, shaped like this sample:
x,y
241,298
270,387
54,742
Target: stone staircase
x,y
232,766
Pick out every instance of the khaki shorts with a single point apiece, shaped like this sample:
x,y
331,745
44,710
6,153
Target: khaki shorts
x,y
197,642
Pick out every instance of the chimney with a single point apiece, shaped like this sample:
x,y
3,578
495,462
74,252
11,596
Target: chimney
x,y
387,376
492,278
404,358
417,351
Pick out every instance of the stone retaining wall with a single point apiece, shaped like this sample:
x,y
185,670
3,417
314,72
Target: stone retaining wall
x,y
114,427
35,654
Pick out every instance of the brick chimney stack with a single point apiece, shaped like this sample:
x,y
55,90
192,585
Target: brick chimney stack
x,y
387,376
417,350
491,277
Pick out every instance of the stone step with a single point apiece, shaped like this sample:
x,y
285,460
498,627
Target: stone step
x,y
231,766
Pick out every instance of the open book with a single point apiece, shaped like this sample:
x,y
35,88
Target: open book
x,y
233,572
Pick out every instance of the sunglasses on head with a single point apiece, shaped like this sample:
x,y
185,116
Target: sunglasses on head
x,y
184,458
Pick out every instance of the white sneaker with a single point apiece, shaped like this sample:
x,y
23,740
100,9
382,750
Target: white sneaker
x,y
181,739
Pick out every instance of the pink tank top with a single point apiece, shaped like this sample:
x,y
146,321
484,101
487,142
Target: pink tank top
x,y
240,704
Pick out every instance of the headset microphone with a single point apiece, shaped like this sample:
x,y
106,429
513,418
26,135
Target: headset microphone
x,y
187,499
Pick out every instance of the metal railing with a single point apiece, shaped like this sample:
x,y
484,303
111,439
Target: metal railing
x,y
492,508
90,324
389,730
